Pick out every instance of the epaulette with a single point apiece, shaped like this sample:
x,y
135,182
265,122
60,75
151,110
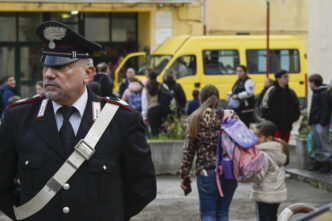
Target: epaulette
x,y
117,101
25,101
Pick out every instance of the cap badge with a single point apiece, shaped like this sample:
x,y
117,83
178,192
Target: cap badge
x,y
52,33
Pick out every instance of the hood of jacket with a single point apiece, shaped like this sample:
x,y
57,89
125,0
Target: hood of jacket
x,y
135,86
321,88
275,150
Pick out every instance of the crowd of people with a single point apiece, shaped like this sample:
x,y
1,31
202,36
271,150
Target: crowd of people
x,y
276,108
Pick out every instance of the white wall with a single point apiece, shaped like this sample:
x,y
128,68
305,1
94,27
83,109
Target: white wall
x,y
320,39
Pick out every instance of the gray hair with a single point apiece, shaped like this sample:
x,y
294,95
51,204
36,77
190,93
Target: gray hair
x,y
86,61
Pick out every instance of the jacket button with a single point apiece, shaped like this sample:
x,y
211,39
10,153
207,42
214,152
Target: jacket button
x,y
66,186
26,162
104,167
65,209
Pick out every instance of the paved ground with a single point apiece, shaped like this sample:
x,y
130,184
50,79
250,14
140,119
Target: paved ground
x,y
172,205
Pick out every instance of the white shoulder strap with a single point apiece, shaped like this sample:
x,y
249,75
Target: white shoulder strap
x,y
82,152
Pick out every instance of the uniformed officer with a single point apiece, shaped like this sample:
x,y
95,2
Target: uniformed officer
x,y
39,134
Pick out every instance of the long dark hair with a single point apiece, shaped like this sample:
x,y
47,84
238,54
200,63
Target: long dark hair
x,y
267,128
153,85
209,98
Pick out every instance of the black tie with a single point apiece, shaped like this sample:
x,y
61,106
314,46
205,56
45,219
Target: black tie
x,y
66,132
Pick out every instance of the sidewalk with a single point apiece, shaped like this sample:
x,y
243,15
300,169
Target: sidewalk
x,y
316,179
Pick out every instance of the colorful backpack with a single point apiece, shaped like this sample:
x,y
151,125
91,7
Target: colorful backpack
x,y
135,101
237,157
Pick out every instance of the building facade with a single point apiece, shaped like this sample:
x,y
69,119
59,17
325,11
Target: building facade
x,y
124,26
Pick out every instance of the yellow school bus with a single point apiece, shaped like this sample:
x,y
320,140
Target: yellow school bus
x,y
201,60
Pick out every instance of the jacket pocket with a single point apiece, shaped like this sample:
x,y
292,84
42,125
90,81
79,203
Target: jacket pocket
x,y
29,173
101,179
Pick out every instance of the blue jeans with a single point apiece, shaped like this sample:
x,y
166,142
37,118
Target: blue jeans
x,y
213,207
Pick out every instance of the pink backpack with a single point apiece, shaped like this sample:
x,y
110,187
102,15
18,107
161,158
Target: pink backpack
x,y
237,152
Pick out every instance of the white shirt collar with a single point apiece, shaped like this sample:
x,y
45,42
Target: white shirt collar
x,y
79,104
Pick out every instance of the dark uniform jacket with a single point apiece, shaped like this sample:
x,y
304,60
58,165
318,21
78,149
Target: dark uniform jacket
x,y
114,185
319,111
283,108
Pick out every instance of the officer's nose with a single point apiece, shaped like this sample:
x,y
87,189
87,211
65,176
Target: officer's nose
x,y
49,72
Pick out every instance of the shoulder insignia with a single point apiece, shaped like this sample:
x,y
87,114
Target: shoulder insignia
x,y
119,102
24,101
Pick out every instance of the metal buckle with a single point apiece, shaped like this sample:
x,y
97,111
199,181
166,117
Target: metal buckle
x,y
84,149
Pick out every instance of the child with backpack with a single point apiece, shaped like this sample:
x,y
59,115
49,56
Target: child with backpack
x,y
269,188
202,140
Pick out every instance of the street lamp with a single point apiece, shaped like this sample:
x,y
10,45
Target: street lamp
x,y
267,38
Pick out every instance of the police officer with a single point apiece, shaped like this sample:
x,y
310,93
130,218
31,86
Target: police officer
x,y
39,134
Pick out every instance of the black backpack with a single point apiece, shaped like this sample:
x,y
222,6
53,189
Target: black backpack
x,y
164,95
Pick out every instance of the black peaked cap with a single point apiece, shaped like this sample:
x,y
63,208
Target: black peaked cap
x,y
62,45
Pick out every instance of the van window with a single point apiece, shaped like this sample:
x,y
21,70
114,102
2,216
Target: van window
x,y
157,62
287,59
184,66
220,61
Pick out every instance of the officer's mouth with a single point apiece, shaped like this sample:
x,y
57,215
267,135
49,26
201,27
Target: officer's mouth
x,y
51,86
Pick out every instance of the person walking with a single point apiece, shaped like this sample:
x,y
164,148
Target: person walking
x,y
242,95
281,105
152,111
130,75
103,80
39,88
7,90
70,164
177,92
319,122
193,104
269,188
201,140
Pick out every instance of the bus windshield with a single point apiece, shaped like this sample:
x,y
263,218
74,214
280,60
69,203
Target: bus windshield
x,y
157,62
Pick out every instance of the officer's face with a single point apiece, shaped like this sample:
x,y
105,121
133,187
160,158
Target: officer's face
x,y
65,84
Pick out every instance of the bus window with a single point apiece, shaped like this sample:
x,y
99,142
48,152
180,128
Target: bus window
x,y
184,66
287,59
220,61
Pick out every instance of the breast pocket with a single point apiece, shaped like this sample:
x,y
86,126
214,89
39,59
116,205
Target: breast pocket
x,y
30,174
101,179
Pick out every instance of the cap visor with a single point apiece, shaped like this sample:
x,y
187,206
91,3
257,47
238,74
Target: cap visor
x,y
58,61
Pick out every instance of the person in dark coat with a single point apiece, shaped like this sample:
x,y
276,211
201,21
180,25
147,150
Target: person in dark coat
x,y
177,91
7,90
116,183
105,82
319,122
130,75
281,105
193,104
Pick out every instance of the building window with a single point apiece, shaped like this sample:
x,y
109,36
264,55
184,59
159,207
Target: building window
x,y
184,66
28,22
287,59
31,67
7,61
8,27
66,18
123,27
220,62
97,26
